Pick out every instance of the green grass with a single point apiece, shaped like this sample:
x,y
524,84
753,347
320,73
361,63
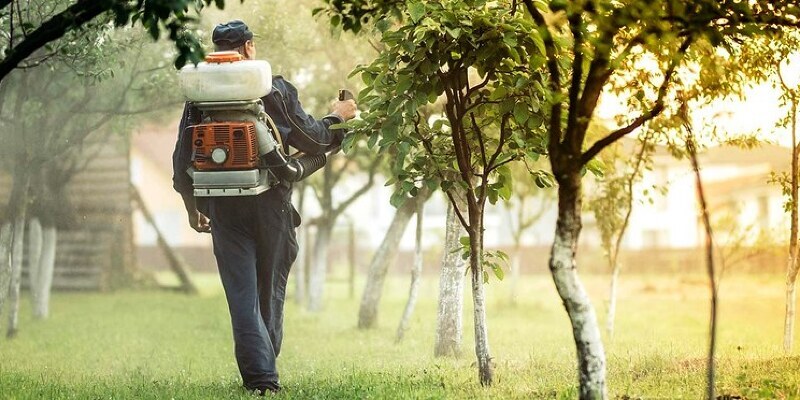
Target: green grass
x,y
161,345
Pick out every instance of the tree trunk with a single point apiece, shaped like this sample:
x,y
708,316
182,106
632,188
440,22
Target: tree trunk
x,y
478,296
176,261
416,274
17,254
368,311
34,257
585,330
319,265
300,267
791,304
351,256
449,319
41,308
612,299
792,268
5,262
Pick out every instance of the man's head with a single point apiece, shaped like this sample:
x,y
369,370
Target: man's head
x,y
234,36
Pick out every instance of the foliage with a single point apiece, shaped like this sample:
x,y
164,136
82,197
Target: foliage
x,y
43,29
475,55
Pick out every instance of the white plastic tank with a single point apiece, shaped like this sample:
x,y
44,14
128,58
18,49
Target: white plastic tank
x,y
225,76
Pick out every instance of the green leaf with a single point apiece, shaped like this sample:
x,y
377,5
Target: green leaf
x,y
521,113
403,84
453,32
372,140
498,272
416,11
464,240
397,199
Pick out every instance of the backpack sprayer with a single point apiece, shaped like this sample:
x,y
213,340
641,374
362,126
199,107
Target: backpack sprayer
x,y
237,150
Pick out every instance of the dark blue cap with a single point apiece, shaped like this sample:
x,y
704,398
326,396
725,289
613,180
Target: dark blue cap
x,y
231,35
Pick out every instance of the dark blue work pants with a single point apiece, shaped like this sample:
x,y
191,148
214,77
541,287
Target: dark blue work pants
x,y
255,246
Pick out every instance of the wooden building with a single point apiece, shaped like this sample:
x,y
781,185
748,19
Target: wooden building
x,y
96,250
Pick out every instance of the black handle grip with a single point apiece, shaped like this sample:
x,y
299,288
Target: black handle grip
x,y
345,94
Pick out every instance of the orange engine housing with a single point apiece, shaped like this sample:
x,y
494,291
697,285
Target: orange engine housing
x,y
238,139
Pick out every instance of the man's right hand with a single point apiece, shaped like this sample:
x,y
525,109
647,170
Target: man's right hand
x,y
199,222
345,109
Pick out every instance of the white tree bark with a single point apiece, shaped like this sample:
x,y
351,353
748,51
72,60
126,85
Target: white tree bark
x,y
585,330
379,266
17,247
319,266
449,319
485,370
5,262
791,304
41,308
300,267
34,257
612,300
416,274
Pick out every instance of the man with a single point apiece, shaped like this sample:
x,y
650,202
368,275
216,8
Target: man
x,y
254,238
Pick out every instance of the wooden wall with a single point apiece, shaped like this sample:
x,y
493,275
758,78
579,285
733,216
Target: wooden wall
x,y
96,251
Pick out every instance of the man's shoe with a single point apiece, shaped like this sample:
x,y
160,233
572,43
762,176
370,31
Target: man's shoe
x,y
272,388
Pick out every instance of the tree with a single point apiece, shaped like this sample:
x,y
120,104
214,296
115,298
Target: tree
x,y
52,110
33,34
327,57
383,257
526,194
474,56
590,47
416,275
449,315
612,206
790,96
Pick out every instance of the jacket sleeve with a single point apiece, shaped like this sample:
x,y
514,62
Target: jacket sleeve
x,y
305,133
182,157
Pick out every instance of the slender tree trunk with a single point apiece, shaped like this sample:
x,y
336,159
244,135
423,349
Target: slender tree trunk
x,y
478,296
709,248
302,243
18,205
792,268
16,274
585,330
34,258
416,274
612,298
449,319
319,265
5,262
41,308
791,304
351,251
176,261
379,266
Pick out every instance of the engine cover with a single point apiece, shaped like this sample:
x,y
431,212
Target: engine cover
x,y
225,146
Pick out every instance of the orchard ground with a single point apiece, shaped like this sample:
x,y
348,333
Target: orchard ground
x,y
158,345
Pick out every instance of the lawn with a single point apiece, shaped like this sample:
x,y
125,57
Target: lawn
x,y
160,345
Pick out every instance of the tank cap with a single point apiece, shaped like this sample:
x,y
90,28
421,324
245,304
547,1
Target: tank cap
x,y
218,57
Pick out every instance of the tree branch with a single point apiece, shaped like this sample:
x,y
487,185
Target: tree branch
x,y
358,193
658,107
571,139
74,16
555,76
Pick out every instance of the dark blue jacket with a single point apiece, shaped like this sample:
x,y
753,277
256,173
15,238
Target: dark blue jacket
x,y
297,129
